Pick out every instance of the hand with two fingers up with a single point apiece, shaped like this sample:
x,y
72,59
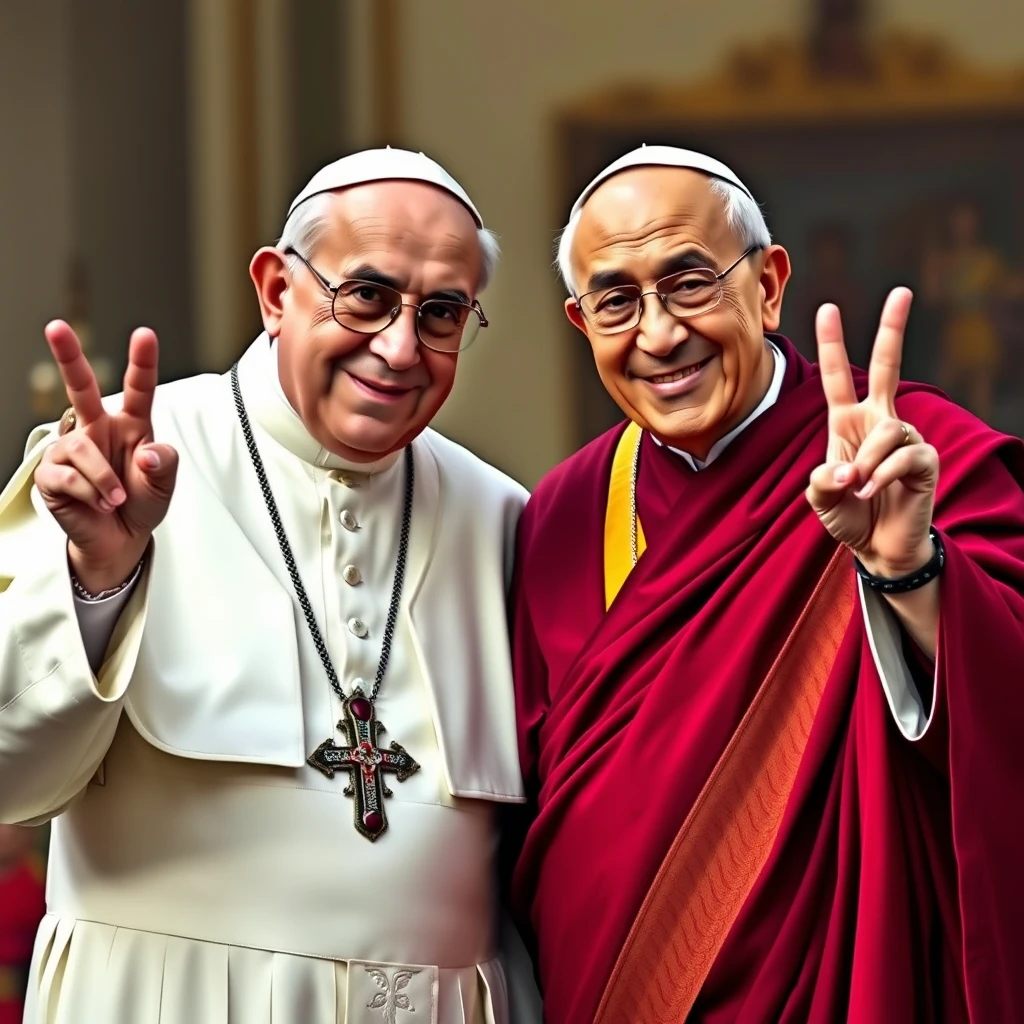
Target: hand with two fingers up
x,y
875,492
105,481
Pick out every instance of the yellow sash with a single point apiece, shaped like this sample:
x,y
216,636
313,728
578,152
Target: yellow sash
x,y
618,555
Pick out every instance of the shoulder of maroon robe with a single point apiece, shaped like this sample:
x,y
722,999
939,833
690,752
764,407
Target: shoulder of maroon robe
x,y
560,549
557,598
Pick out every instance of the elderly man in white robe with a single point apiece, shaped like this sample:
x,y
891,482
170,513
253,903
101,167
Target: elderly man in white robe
x,y
253,650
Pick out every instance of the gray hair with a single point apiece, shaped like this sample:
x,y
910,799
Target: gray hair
x,y
305,228
743,215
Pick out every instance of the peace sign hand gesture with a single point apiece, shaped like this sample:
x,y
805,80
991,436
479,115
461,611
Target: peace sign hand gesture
x,y
875,492
105,482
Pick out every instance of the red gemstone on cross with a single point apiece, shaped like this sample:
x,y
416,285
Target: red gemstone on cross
x,y
361,708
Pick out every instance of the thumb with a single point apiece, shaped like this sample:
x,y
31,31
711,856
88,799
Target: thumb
x,y
158,464
829,483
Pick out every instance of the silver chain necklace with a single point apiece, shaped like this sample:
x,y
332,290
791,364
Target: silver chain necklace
x,y
362,758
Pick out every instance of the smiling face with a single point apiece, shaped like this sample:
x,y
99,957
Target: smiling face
x,y
688,381
362,396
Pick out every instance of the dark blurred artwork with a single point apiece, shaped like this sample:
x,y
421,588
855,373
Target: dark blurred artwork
x,y
968,280
838,42
832,275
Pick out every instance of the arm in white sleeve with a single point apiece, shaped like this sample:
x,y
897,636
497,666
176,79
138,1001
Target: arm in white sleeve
x,y
57,717
98,619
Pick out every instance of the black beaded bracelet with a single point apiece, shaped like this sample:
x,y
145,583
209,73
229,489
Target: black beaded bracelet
x,y
913,581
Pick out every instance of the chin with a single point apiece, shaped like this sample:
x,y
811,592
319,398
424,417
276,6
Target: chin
x,y
360,449
683,425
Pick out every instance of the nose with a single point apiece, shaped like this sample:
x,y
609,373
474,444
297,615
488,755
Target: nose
x,y
659,332
398,344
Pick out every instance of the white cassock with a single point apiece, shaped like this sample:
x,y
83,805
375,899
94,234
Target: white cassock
x,y
200,871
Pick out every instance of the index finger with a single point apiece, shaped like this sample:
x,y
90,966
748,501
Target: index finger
x,y
140,378
887,354
75,371
833,362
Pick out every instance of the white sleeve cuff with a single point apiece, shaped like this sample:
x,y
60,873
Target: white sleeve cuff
x,y
97,620
886,643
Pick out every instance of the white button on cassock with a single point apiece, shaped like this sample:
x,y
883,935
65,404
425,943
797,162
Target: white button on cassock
x,y
358,628
348,520
351,575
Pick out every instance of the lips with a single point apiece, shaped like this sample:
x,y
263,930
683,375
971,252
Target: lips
x,y
386,390
681,374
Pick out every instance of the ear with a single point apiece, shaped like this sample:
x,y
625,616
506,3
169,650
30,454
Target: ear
x,y
774,277
272,278
575,314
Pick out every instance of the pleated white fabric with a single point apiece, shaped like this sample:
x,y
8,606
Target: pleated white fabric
x,y
89,973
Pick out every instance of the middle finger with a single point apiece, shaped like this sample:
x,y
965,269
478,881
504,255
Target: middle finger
x,y
882,440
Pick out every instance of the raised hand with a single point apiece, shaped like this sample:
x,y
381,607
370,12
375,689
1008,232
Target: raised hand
x,y
105,482
875,492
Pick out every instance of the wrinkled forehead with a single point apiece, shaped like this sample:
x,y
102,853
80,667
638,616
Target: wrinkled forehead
x,y
646,209
398,226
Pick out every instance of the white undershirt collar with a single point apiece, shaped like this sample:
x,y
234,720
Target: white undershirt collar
x,y
770,398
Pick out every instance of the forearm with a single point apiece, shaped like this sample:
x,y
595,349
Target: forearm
x,y
917,610
918,613
98,617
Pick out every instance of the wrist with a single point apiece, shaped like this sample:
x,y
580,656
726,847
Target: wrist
x,y
914,580
887,569
99,577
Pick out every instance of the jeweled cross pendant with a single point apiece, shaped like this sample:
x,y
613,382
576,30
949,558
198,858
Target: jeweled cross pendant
x,y
365,762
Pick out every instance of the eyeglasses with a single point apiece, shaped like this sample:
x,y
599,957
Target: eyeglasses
x,y
686,294
444,325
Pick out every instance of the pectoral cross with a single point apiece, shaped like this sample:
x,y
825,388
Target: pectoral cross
x,y
365,762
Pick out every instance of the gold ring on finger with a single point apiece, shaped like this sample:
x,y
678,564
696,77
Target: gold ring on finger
x,y
906,433
68,422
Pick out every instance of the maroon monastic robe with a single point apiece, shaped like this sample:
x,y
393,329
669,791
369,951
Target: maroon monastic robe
x,y
895,889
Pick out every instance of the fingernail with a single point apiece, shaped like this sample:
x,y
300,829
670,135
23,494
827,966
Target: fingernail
x,y
844,474
866,491
116,496
151,460
105,506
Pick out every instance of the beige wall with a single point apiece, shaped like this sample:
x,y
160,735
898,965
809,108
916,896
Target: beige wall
x,y
35,200
92,137
480,81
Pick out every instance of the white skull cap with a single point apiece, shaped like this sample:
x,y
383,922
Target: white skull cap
x,y
662,156
383,165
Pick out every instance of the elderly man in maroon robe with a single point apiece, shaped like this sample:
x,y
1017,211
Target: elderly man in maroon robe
x,y
770,651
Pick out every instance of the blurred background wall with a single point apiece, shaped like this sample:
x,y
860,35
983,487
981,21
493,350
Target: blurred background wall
x,y
148,149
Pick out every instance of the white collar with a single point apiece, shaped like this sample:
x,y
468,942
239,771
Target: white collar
x,y
269,407
770,398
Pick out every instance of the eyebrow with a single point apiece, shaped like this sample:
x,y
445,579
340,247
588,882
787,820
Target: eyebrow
x,y
690,259
366,272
